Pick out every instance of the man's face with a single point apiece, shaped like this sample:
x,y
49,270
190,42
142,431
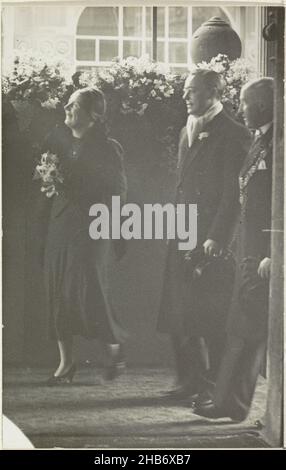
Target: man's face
x,y
196,96
76,115
250,109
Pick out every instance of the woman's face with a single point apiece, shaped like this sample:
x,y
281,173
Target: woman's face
x,y
76,115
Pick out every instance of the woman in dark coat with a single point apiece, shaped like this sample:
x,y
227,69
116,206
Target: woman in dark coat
x,y
75,266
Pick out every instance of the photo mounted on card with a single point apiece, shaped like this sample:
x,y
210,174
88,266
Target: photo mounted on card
x,y
142,253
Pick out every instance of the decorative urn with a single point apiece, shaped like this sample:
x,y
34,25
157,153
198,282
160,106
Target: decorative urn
x,y
214,37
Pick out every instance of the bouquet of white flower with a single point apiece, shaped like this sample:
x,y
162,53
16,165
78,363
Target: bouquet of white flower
x,y
49,171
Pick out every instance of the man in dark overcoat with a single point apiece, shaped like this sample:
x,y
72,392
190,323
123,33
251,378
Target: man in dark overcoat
x,y
247,323
212,148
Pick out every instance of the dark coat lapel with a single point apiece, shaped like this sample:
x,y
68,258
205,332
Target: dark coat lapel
x,y
259,145
199,145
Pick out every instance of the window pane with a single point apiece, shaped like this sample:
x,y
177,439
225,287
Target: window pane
x,y
178,52
132,21
161,51
108,50
149,48
101,21
131,48
88,68
178,22
202,14
161,22
149,16
85,49
84,68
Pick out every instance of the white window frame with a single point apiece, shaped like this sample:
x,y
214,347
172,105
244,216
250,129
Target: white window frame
x,y
143,39
120,39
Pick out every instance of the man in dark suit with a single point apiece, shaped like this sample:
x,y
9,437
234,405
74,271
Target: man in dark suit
x,y
212,148
247,323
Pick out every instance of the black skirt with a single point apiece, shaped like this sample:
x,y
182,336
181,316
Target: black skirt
x,y
75,270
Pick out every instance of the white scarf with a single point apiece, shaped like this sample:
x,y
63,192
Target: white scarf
x,y
196,124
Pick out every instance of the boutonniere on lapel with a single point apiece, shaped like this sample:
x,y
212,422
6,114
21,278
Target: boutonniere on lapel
x,y
203,135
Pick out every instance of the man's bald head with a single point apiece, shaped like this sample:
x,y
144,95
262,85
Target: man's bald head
x,y
256,102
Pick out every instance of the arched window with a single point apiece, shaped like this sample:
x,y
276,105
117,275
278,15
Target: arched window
x,y
107,32
104,33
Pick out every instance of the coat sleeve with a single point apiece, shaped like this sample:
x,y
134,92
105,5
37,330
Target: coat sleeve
x,y
97,180
115,178
117,185
41,205
40,223
182,148
236,149
267,219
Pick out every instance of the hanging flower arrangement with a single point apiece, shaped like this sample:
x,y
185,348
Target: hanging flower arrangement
x,y
134,88
137,82
32,78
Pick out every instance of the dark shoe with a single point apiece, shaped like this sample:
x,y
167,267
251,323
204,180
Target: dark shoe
x,y
212,412
203,399
259,424
209,411
61,379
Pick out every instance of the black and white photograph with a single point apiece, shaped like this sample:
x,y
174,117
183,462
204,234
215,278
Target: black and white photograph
x,y
142,225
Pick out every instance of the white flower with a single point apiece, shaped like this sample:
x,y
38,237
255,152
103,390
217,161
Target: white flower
x,y
232,92
157,83
49,173
169,93
142,109
51,103
203,135
218,67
